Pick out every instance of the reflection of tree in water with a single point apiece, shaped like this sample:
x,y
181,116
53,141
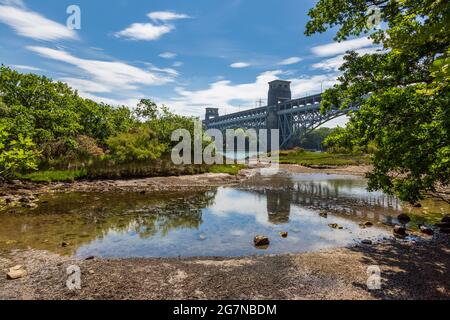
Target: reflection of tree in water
x,y
78,218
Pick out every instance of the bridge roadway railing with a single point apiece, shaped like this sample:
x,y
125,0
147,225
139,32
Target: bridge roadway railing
x,y
255,118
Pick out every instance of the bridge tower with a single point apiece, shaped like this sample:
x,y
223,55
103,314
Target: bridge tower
x,y
279,91
211,113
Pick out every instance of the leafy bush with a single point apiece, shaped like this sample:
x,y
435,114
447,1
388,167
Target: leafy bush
x,y
139,144
16,153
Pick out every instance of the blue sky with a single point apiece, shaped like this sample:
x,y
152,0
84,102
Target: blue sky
x,y
186,54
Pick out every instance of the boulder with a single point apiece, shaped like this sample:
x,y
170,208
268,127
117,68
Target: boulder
x,y
284,234
16,272
399,231
426,230
366,224
403,218
367,241
443,225
29,205
446,218
335,226
261,241
323,214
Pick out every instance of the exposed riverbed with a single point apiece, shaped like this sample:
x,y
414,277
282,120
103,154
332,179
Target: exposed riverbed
x,y
318,210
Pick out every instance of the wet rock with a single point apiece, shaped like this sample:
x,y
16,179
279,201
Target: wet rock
x,y
24,199
284,234
446,218
30,205
90,258
16,272
261,241
426,230
64,244
400,231
366,224
403,218
323,215
335,226
9,200
367,241
417,205
443,225
202,237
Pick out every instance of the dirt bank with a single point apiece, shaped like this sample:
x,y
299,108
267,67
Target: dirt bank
x,y
160,183
408,271
174,183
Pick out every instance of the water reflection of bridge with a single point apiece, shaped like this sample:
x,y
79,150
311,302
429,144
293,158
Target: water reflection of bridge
x,y
335,196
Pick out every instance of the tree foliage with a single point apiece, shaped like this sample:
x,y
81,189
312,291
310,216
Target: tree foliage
x,y
47,124
314,139
403,90
16,153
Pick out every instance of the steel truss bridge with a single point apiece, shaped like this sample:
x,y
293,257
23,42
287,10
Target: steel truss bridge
x,y
294,118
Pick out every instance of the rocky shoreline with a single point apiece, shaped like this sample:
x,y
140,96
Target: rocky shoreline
x,y
26,194
410,269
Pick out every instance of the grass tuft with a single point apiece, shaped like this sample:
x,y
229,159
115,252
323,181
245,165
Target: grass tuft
x,y
317,159
55,176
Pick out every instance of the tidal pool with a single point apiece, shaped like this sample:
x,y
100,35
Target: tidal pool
x,y
218,222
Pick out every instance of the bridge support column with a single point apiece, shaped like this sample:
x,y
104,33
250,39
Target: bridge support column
x,y
271,124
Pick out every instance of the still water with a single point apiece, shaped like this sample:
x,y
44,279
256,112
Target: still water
x,y
216,222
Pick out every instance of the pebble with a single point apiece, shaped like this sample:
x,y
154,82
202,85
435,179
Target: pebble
x,y
16,272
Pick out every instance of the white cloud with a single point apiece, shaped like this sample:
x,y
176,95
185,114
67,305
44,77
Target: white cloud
x,y
83,85
168,55
166,16
168,71
115,75
33,25
333,64
149,31
145,31
26,68
228,96
240,65
129,102
14,3
336,48
177,64
289,61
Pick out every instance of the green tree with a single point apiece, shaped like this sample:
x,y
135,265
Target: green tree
x,y
139,144
315,138
16,153
406,112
